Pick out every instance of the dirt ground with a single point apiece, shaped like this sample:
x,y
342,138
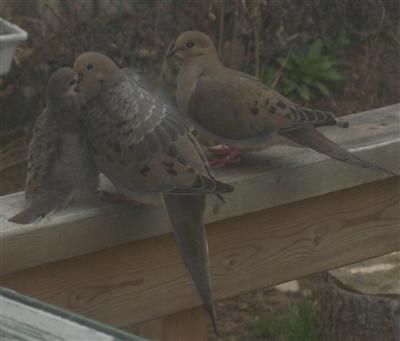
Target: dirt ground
x,y
239,317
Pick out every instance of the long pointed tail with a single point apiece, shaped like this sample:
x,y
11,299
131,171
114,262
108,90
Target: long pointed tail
x,y
186,215
312,138
27,216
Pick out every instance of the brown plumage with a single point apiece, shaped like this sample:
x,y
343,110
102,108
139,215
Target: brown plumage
x,y
59,167
237,110
144,146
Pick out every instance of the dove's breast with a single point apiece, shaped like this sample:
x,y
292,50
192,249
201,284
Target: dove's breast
x,y
74,166
186,86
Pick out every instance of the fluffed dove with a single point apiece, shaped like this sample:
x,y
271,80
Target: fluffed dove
x,y
144,146
59,166
239,111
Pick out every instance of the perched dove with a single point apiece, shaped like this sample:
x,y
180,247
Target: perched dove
x,y
239,111
144,146
59,166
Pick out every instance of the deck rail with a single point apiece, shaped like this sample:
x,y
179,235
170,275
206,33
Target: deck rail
x,y
293,213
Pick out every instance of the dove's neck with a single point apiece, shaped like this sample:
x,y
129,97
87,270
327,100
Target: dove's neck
x,y
66,113
189,74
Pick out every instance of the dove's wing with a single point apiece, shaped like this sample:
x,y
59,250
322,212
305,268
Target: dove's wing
x,y
236,106
141,143
127,116
43,151
42,197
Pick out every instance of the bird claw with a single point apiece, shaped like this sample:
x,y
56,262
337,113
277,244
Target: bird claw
x,y
231,158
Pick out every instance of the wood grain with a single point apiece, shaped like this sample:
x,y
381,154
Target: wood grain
x,y
185,325
146,279
151,330
191,324
265,179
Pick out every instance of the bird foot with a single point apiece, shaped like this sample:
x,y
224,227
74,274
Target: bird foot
x,y
232,157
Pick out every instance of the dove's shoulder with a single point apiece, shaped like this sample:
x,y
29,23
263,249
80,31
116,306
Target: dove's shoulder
x,y
145,145
233,105
133,124
130,94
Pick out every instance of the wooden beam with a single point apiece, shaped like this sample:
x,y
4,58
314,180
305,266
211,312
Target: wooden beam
x,y
264,180
144,280
151,330
186,325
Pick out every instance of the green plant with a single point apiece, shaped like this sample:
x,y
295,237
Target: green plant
x,y
303,74
335,47
296,323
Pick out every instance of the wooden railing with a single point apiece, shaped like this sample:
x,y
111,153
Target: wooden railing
x,y
293,213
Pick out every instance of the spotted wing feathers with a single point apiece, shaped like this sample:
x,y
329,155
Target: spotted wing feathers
x,y
143,142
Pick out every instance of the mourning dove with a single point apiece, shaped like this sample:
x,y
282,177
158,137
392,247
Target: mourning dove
x,y
239,111
144,146
59,167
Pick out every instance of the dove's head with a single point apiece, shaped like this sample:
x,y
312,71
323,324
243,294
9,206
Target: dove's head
x,y
192,44
93,69
62,98
62,84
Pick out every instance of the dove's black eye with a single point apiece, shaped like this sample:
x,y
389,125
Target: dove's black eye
x,y
73,82
89,67
189,44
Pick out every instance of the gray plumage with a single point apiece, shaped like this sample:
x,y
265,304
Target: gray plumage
x,y
59,166
144,146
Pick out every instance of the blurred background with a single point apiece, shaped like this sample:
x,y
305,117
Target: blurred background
x,y
337,55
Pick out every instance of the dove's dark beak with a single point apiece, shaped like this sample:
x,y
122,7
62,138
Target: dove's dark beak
x,y
80,76
171,50
78,79
78,83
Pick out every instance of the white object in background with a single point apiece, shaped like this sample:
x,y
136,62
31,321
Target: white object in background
x,y
10,36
